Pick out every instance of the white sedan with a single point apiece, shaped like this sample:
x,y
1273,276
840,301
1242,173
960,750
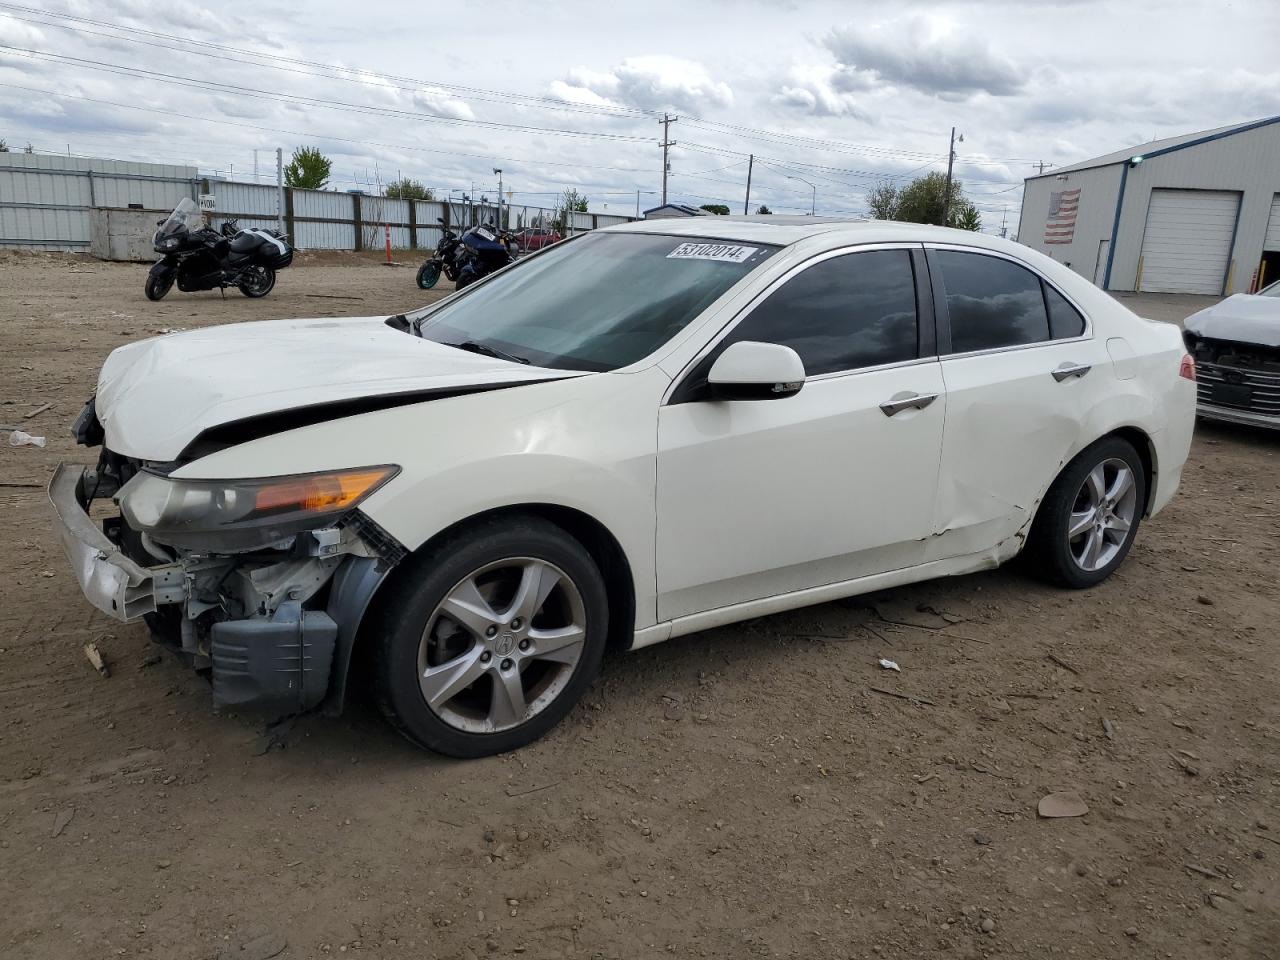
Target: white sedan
x,y
640,433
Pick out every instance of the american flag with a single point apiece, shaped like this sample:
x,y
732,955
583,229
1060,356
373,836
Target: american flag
x,y
1060,227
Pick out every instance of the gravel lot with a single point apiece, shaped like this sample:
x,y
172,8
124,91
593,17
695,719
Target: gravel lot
x,y
747,792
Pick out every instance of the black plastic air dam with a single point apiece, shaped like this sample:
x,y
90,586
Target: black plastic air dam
x,y
279,664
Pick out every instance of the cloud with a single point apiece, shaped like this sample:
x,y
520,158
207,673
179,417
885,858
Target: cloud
x,y
651,82
440,103
927,54
825,91
18,34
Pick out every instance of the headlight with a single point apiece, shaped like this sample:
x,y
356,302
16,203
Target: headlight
x,y
229,516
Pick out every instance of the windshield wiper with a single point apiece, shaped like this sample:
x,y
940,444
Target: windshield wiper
x,y
474,346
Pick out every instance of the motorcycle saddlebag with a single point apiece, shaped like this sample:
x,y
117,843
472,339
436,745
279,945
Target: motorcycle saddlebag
x,y
276,261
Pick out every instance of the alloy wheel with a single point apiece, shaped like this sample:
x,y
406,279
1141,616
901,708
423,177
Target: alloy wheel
x,y
501,645
1103,514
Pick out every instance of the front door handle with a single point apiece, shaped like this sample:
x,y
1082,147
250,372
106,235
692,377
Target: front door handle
x,y
917,401
1068,370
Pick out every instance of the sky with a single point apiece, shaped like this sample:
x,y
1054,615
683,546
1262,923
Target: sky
x,y
830,98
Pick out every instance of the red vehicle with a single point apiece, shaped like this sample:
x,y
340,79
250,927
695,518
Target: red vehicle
x,y
535,238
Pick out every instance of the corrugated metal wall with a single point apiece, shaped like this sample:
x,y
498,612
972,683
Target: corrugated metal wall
x,y
1243,162
45,201
45,204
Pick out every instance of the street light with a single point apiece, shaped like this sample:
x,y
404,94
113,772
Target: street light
x,y
498,171
646,193
813,206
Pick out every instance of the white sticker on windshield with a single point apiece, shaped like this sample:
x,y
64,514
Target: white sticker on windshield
x,y
724,252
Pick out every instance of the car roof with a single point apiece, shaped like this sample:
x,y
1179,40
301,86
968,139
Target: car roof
x,y
786,230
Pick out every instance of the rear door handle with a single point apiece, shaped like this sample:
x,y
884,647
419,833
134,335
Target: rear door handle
x,y
1068,370
917,401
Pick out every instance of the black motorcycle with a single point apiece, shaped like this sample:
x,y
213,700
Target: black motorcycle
x,y
198,257
442,261
465,259
479,254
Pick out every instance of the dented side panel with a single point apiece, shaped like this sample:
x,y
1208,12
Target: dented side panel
x,y
1011,425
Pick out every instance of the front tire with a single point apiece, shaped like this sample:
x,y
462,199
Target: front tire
x,y
1090,516
428,274
488,641
159,280
257,282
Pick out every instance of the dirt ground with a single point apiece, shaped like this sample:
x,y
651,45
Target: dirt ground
x,y
747,792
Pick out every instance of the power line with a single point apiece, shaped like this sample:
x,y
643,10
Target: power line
x,y
228,89
315,136
276,62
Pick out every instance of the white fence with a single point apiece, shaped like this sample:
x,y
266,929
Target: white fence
x,y
46,203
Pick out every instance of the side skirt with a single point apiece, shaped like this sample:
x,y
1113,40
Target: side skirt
x,y
734,613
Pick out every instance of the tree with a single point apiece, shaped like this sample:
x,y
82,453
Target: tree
x,y
4,147
28,149
570,201
922,201
762,209
407,189
719,209
965,217
883,201
308,169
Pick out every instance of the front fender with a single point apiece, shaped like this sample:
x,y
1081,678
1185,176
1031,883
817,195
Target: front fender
x,y
586,443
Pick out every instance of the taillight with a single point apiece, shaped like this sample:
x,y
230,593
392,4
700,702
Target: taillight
x,y
1188,368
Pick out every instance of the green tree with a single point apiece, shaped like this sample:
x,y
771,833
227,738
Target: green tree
x,y
922,201
28,149
719,209
407,189
308,169
965,217
4,147
762,209
883,201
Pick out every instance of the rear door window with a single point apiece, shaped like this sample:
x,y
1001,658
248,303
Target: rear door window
x,y
991,303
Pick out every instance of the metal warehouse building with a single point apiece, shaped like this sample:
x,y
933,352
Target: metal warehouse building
x,y
1198,213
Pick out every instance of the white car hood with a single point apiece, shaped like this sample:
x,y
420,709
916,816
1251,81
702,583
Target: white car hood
x,y
156,396
1243,317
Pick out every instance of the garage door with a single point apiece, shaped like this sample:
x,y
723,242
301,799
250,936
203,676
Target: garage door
x,y
1273,226
1187,244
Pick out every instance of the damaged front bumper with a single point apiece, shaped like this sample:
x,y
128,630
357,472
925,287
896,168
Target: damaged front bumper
x,y
111,581
275,637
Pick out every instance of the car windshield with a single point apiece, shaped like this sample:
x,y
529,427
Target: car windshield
x,y
600,302
1270,290
186,216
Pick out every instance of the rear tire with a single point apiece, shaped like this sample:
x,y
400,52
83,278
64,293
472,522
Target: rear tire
x,y
1089,518
257,282
548,657
159,281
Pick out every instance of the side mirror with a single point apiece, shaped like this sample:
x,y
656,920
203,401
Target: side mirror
x,y
749,370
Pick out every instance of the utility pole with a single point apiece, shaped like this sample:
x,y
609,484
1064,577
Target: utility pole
x,y
1041,165
746,204
279,189
667,143
946,196
255,166
1004,219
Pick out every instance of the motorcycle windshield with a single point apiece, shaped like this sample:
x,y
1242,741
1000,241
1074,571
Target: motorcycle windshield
x,y
186,216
